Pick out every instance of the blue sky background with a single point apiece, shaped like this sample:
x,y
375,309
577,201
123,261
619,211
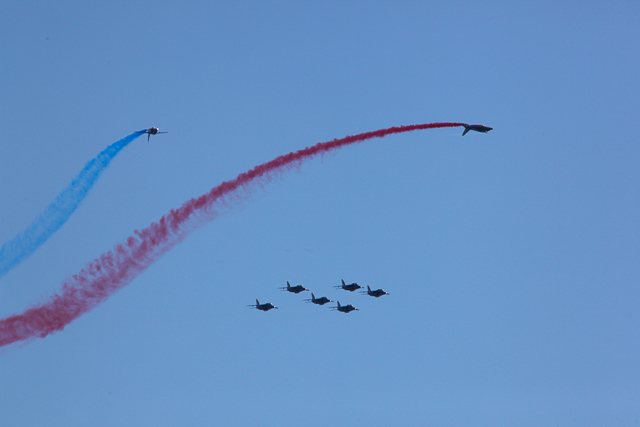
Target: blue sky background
x,y
512,258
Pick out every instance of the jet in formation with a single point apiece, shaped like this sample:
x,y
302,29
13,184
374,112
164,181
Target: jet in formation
x,y
352,287
263,307
294,289
319,301
344,308
150,131
377,293
477,128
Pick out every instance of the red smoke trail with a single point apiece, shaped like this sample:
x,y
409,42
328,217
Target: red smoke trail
x,y
114,269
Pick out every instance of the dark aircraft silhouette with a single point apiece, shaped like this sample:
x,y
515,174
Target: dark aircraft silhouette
x,y
295,289
352,287
263,307
319,301
377,293
151,131
344,308
477,128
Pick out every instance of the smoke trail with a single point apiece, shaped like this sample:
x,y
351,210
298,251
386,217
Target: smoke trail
x,y
115,269
57,213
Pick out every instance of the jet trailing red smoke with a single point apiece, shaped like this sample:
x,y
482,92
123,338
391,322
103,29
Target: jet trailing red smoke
x,y
116,268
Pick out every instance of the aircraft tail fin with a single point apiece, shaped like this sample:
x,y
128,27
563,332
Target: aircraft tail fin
x,y
343,283
312,297
466,129
368,288
257,303
288,285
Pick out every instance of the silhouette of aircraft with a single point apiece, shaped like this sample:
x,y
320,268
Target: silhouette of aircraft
x,y
150,131
263,307
352,287
319,301
377,293
294,289
477,128
344,308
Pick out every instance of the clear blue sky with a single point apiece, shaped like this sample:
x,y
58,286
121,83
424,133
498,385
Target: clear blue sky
x,y
512,258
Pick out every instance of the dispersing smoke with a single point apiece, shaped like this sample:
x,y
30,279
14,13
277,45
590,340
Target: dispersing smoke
x,y
116,268
58,212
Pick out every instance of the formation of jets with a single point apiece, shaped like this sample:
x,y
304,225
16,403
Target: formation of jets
x,y
150,131
324,300
351,287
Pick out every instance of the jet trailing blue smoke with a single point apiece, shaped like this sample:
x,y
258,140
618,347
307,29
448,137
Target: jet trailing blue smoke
x,y
57,213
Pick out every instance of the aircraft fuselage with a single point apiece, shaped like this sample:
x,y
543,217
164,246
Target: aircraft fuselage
x,y
377,293
266,307
477,128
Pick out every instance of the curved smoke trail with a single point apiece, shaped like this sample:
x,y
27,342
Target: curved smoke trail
x,y
115,269
58,212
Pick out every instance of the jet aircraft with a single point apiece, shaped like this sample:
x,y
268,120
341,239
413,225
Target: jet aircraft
x,y
344,308
352,287
263,307
319,301
151,131
477,128
294,289
377,293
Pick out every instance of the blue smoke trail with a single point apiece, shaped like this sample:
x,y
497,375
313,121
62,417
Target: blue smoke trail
x,y
57,213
